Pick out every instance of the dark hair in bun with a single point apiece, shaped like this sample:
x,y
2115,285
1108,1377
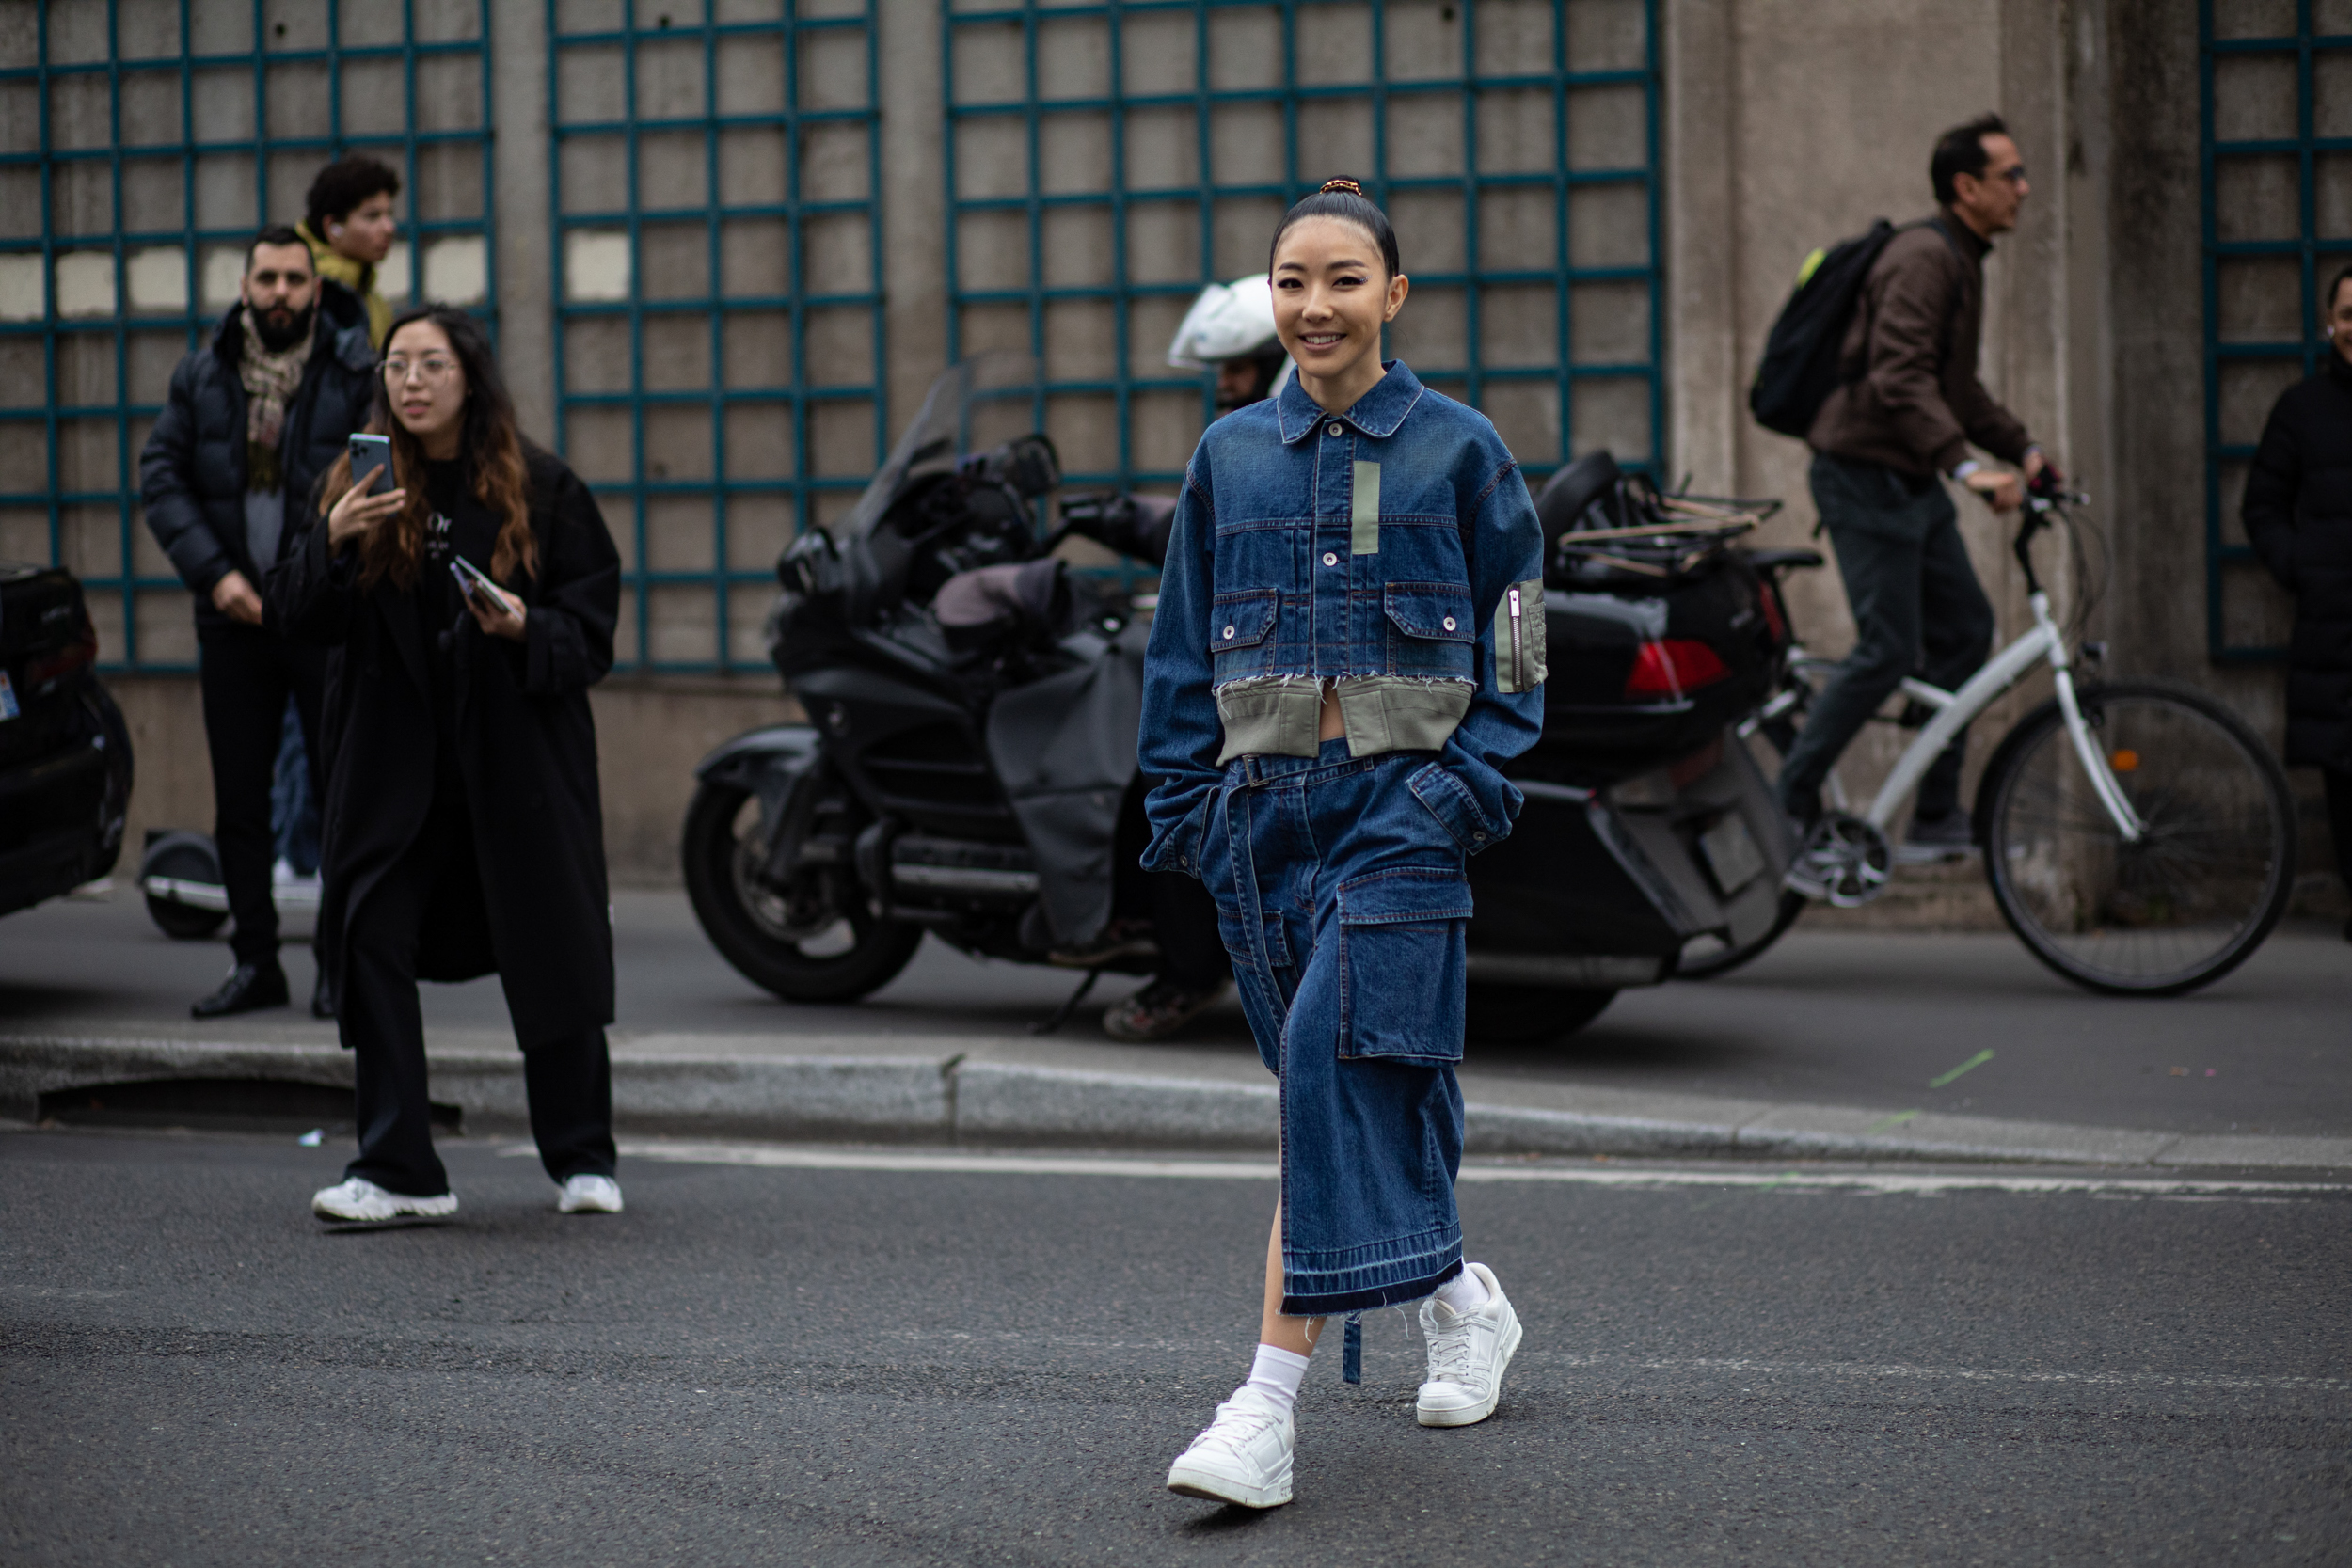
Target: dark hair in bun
x,y
1344,199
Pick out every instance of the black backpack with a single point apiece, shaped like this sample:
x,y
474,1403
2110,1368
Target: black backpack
x,y
1800,366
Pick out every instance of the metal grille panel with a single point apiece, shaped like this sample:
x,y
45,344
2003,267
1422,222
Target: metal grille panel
x,y
1105,160
718,295
2276,145
168,132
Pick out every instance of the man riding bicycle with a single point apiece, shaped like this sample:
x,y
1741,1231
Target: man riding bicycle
x,y
1906,409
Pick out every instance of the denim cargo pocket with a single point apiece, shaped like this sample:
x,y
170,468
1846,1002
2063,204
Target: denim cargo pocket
x,y
1241,629
1432,631
1402,964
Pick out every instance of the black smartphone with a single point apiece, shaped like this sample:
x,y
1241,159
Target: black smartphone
x,y
369,453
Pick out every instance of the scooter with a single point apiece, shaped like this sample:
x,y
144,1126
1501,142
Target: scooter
x,y
973,709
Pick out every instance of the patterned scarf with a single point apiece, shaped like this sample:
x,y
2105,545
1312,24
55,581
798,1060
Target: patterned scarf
x,y
271,381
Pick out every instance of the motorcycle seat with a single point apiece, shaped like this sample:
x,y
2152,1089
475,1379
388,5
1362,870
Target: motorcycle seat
x,y
1773,560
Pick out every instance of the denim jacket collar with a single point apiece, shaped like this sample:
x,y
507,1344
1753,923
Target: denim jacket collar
x,y
1378,413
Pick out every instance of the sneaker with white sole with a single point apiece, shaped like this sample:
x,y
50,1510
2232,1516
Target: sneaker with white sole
x,y
1243,1456
1468,1355
355,1198
590,1195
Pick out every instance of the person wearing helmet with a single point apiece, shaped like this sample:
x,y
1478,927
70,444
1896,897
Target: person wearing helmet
x,y
1230,331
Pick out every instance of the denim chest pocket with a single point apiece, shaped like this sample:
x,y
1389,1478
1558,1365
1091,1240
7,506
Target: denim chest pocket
x,y
1404,964
1241,633
1432,631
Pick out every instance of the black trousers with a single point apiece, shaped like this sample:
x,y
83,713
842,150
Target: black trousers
x,y
1917,607
2340,817
246,674
568,1082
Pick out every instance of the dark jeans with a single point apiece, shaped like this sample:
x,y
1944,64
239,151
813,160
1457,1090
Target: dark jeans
x,y
246,674
1183,915
1916,608
568,1082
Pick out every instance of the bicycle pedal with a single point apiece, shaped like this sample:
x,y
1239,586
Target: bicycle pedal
x,y
1844,863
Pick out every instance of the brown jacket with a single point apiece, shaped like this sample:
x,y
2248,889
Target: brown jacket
x,y
1908,397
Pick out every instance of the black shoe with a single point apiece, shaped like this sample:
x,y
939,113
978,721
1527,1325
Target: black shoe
x,y
322,996
1951,836
248,989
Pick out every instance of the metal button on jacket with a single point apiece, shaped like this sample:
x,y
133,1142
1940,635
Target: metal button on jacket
x,y
1331,429
1449,626
1330,559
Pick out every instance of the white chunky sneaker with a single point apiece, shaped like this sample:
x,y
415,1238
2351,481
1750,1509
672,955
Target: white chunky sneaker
x,y
1243,1457
357,1198
590,1195
1467,1354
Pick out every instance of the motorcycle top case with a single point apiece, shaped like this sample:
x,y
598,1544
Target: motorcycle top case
x,y
1646,666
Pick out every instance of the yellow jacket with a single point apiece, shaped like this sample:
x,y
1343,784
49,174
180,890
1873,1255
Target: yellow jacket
x,y
359,277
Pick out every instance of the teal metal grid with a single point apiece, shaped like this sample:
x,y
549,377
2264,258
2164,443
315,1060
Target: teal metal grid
x,y
180,60
1473,375
2220,159
651,22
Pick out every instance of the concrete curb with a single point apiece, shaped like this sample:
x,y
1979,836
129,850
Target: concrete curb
x,y
955,1099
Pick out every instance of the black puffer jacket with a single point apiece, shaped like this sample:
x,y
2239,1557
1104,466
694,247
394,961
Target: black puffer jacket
x,y
2299,514
192,472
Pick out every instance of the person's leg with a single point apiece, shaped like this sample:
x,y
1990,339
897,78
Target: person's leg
x,y
1294,1334
245,702
569,1084
1957,626
2338,782
383,1026
1867,512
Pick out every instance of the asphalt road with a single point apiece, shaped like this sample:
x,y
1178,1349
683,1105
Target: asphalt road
x,y
1823,1018
881,1367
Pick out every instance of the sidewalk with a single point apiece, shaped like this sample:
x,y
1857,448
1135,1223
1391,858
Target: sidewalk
x,y
948,1062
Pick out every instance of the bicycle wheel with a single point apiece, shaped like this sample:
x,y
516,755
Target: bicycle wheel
x,y
2199,891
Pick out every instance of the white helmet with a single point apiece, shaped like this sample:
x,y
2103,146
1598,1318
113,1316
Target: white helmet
x,y
1228,321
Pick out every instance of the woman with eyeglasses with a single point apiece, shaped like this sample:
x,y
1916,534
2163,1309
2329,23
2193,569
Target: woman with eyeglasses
x,y
468,598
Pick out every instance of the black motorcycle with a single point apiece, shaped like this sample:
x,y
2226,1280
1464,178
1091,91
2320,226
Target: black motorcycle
x,y
973,709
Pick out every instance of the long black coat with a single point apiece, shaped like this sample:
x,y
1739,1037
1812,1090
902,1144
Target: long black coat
x,y
192,470
2299,514
527,752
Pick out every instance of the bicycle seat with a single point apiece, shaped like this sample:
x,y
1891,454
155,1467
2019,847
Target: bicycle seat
x,y
1773,560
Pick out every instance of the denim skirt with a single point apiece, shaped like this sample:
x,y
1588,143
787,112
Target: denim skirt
x,y
1344,902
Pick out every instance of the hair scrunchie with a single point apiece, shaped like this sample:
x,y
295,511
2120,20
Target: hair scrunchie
x,y
1349,185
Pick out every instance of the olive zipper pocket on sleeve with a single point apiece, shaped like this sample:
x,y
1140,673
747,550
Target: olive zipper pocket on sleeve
x,y
1520,662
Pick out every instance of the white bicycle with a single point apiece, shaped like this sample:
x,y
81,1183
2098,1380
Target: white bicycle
x,y
2139,837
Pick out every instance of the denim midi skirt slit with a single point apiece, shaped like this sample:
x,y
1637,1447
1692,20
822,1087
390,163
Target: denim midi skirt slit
x,y
1344,902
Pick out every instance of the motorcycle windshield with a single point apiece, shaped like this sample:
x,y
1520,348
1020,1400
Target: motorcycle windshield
x,y
932,442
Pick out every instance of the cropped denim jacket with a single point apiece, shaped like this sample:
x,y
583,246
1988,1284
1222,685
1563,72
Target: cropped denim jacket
x,y
1392,551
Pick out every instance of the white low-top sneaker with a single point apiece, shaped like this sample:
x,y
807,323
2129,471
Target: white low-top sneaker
x,y
590,1195
357,1198
1243,1456
1467,1354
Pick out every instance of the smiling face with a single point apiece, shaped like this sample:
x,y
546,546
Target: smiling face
x,y
426,386
1331,297
365,233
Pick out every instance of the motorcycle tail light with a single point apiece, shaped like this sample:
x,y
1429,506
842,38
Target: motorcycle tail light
x,y
1674,666
77,654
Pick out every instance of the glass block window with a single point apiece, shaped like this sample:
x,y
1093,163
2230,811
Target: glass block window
x,y
146,141
1104,161
717,288
2277,151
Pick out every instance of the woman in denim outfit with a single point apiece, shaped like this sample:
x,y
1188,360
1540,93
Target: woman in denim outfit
x,y
1348,647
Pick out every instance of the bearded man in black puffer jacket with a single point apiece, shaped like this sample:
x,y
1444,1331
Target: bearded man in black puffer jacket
x,y
2299,514
252,420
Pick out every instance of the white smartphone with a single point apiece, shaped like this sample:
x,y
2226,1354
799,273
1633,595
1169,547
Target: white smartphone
x,y
472,580
369,453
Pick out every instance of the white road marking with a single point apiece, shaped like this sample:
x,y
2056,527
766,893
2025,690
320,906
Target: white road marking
x,y
1913,1183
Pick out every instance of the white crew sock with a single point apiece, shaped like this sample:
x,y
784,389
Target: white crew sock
x,y
1465,1292
1277,1373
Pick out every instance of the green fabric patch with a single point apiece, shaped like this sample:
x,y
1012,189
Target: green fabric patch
x,y
1521,664
1363,517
